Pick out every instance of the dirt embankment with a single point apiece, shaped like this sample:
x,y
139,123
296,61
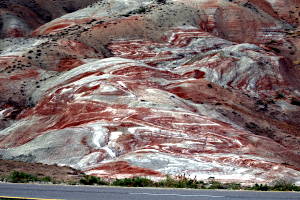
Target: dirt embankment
x,y
57,173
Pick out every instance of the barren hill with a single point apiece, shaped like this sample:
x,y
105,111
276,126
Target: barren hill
x,y
148,88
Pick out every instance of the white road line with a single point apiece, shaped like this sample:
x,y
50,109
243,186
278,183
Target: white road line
x,y
181,195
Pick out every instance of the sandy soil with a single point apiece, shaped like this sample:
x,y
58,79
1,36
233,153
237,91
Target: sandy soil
x,y
58,173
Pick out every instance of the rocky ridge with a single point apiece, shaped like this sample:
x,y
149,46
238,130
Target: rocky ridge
x,y
146,88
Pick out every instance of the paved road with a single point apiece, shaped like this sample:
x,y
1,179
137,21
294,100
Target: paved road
x,y
118,193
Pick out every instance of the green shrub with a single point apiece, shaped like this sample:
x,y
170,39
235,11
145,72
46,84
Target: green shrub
x,y
233,186
182,182
278,185
70,182
56,182
260,187
179,182
141,10
284,185
295,102
169,182
280,95
216,185
47,179
133,182
271,42
186,183
17,177
92,180
275,49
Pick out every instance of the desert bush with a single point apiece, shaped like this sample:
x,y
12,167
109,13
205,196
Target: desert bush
x,y
233,186
133,182
178,182
271,42
185,183
47,179
280,95
17,177
92,180
168,182
4,178
281,184
56,182
260,187
275,49
141,10
295,102
216,185
284,185
256,129
181,182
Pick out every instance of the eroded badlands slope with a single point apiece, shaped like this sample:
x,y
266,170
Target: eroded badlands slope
x,y
122,88
18,18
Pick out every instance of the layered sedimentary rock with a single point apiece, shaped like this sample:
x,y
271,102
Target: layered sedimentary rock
x,y
20,17
111,111
140,88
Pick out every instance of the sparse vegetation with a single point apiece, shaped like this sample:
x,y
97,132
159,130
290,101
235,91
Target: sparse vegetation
x,y
280,96
284,185
272,42
21,177
141,10
134,182
47,179
159,43
278,185
260,187
256,129
181,182
168,182
262,103
295,101
289,33
275,49
92,180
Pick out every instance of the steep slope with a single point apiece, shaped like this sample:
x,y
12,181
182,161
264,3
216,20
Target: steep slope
x,y
20,17
138,88
101,112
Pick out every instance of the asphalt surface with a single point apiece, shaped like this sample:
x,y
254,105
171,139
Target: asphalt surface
x,y
119,193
